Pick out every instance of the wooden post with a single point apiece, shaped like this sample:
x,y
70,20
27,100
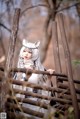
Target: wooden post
x,y
9,60
56,52
56,48
68,64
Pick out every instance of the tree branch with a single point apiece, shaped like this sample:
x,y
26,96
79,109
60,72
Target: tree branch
x,y
2,25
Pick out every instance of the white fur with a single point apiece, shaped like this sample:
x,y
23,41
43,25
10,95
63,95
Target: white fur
x,y
30,45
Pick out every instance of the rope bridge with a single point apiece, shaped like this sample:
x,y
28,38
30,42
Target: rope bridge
x,y
64,95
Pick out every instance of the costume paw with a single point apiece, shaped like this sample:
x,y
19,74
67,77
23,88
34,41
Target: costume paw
x,y
51,71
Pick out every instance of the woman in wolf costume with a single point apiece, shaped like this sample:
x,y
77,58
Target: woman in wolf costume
x,y
29,58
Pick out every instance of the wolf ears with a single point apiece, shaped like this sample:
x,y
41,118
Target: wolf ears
x,y
37,44
29,44
24,42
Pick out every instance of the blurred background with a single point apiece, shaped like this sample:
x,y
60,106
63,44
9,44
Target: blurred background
x,y
35,24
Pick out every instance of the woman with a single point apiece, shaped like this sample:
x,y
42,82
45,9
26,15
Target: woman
x,y
29,58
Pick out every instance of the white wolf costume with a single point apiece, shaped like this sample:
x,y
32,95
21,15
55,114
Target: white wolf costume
x,y
35,63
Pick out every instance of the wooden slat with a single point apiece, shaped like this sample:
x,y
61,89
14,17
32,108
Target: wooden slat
x,y
27,93
25,110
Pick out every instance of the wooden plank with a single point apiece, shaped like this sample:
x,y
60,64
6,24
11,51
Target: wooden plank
x,y
28,93
25,110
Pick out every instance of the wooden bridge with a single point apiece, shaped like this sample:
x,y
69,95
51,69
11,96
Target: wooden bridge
x,y
65,93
